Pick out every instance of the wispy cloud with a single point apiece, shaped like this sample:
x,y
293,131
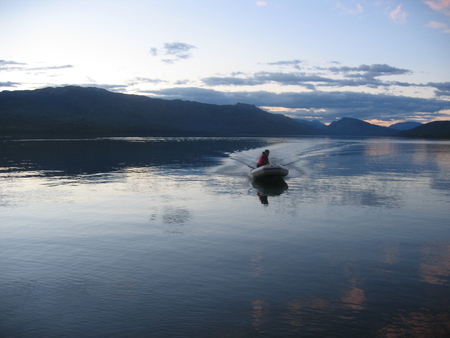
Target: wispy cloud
x,y
175,51
139,80
52,67
358,9
9,84
153,51
20,66
398,15
261,3
8,63
111,87
370,71
291,63
439,25
178,49
442,6
363,75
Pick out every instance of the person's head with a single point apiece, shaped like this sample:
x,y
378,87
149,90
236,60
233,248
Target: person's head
x,y
267,152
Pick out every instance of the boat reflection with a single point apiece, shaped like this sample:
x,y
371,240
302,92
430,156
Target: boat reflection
x,y
269,187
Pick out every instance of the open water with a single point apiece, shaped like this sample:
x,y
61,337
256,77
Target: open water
x,y
169,237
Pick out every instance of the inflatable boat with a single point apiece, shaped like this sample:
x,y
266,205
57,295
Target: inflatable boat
x,y
269,170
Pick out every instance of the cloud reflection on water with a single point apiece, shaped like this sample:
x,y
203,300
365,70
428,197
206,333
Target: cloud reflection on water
x,y
357,243
435,266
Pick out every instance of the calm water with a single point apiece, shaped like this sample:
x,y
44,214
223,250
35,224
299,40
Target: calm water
x,y
168,237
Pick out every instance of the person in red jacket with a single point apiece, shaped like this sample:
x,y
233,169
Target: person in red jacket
x,y
263,159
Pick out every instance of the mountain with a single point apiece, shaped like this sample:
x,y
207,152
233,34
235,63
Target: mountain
x,y
437,129
353,127
314,123
405,125
81,111
76,110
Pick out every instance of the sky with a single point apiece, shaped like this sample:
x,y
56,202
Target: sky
x,y
381,61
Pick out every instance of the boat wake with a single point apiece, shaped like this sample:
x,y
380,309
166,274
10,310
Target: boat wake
x,y
294,154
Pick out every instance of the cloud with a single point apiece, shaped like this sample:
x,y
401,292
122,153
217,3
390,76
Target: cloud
x,y
168,61
153,51
370,71
139,80
398,15
52,67
440,85
363,75
178,49
19,66
261,3
443,88
11,65
229,81
292,63
260,78
331,105
182,82
195,94
301,79
9,84
442,6
175,50
358,9
111,87
7,63
439,25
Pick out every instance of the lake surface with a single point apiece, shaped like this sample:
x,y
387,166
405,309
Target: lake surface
x,y
169,237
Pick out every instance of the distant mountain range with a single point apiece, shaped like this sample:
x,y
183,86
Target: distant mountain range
x,y
405,125
354,127
81,111
437,129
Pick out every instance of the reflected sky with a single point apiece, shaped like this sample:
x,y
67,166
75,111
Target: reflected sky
x,y
179,244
